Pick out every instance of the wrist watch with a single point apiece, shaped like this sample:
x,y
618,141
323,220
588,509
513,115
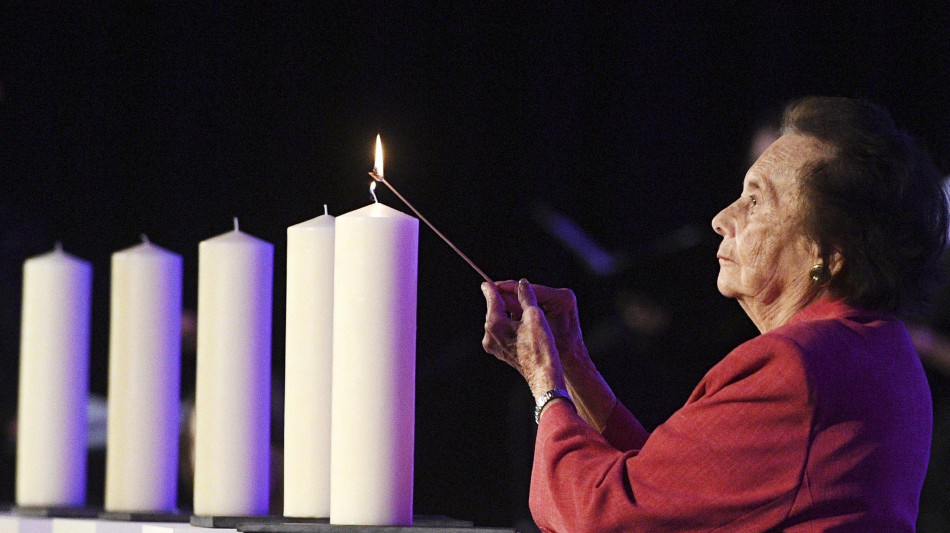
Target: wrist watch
x,y
546,398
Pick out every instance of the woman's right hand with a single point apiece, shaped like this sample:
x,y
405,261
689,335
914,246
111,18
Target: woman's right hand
x,y
593,398
522,338
560,310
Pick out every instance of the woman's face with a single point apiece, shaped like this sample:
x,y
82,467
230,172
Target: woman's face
x,y
764,257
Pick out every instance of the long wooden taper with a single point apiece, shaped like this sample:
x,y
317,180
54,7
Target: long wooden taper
x,y
437,232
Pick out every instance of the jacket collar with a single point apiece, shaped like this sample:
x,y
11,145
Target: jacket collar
x,y
825,308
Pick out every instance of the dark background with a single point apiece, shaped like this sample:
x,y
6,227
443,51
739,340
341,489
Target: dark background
x,y
499,120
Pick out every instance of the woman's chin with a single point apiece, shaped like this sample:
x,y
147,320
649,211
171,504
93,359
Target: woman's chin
x,y
726,288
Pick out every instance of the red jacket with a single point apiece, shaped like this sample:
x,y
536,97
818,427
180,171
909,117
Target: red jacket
x,y
822,424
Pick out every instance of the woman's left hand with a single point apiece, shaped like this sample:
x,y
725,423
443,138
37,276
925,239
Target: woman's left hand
x,y
525,342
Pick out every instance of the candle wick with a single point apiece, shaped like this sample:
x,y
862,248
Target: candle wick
x,y
377,174
58,246
236,227
325,210
372,191
145,239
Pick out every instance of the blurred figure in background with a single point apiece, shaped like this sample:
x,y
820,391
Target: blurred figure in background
x,y
931,336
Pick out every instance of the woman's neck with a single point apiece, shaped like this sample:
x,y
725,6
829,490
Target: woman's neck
x,y
771,315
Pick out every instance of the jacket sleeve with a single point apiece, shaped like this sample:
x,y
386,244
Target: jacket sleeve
x,y
623,431
732,456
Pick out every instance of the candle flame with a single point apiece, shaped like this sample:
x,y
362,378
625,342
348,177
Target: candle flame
x,y
377,175
378,165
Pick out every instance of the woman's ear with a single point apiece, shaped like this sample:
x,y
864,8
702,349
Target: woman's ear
x,y
835,263
835,260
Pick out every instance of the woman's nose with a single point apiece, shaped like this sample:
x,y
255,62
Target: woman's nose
x,y
722,223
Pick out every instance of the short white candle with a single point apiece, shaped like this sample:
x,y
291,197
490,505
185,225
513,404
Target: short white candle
x,y
144,380
308,364
54,381
232,403
374,362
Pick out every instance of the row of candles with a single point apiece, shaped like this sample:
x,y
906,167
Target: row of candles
x,y
350,374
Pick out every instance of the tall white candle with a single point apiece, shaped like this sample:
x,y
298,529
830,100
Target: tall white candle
x,y
374,361
144,380
308,366
54,381
232,404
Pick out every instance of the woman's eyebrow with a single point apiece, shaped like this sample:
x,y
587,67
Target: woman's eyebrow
x,y
752,183
759,183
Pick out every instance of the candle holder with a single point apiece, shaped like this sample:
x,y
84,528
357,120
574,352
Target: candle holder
x,y
123,516
421,524
29,511
237,522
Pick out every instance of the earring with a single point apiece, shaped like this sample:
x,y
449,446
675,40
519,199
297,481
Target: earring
x,y
818,274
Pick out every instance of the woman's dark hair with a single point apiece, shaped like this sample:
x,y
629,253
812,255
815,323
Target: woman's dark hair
x,y
876,198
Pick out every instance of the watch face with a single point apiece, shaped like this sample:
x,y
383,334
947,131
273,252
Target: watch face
x,y
547,397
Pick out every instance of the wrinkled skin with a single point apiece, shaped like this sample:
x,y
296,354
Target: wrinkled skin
x,y
524,340
765,257
536,330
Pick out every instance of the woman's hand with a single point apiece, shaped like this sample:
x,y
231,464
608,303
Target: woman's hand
x,y
592,396
560,310
519,335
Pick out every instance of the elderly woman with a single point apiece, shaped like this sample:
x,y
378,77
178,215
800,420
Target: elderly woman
x,y
820,423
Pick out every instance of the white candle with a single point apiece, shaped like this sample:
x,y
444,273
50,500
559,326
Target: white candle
x,y
374,360
232,403
54,381
308,366
144,380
